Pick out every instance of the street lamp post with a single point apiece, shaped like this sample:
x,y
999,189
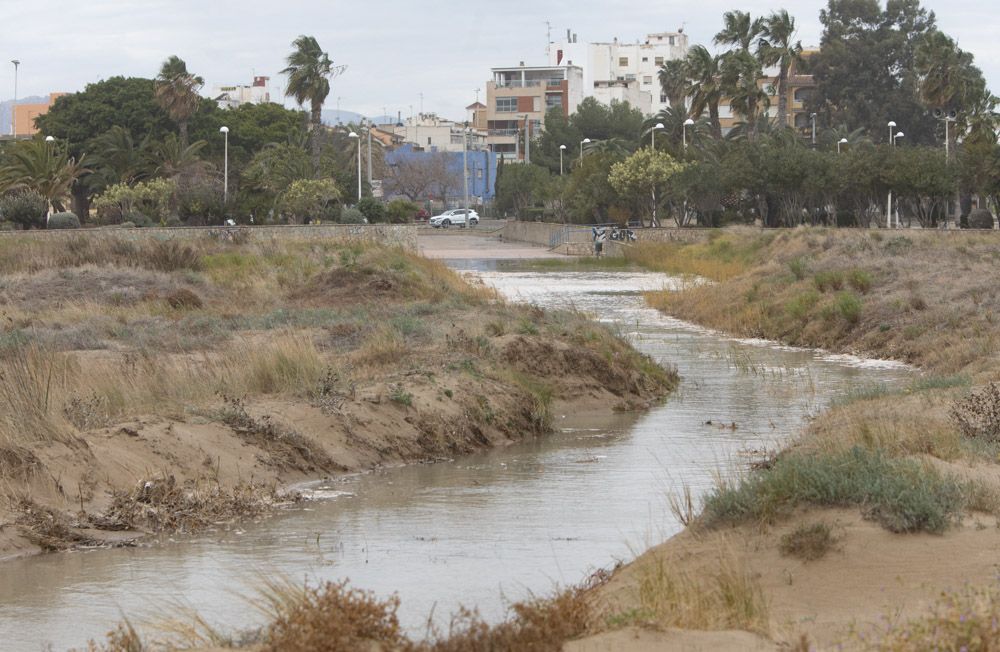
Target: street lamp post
x,y
585,141
842,141
225,167
652,137
898,135
812,118
684,129
465,167
13,107
562,150
369,154
354,135
892,143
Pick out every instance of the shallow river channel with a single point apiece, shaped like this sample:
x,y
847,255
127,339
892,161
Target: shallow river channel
x,y
482,530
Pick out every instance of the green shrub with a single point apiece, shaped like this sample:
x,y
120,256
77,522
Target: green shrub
x,y
401,211
351,216
826,281
24,207
849,307
372,209
172,221
65,220
900,494
801,305
860,280
139,219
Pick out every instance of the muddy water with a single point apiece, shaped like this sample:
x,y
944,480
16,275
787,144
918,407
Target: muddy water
x,y
481,530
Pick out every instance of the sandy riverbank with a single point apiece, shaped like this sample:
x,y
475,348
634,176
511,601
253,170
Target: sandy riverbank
x,y
159,387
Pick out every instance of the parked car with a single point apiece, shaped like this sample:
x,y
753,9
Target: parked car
x,y
456,216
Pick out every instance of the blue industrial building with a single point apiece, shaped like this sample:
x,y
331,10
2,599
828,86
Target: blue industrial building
x,y
482,171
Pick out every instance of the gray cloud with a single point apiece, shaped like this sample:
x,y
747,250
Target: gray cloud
x,y
394,49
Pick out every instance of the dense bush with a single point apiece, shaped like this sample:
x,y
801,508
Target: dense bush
x,y
351,215
24,207
401,211
980,218
64,220
373,210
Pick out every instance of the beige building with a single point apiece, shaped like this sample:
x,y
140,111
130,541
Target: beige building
x,y
800,87
429,132
25,114
517,99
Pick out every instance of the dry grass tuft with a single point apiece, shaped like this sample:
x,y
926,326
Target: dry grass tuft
x,y
808,542
726,597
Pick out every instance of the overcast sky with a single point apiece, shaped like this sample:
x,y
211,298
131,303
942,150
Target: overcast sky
x,y
394,49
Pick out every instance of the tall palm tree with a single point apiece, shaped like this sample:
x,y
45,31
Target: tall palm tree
x,y
704,85
673,81
741,73
309,72
177,92
173,160
740,30
777,49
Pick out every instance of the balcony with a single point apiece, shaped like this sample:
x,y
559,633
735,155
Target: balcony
x,y
503,132
517,83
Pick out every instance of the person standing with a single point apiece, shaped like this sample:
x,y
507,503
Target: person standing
x,y
600,234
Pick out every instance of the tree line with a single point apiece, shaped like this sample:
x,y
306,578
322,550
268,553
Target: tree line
x,y
150,151
875,66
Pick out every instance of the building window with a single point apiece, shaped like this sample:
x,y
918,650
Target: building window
x,y
553,101
622,61
672,40
428,140
663,98
645,59
658,61
506,104
647,79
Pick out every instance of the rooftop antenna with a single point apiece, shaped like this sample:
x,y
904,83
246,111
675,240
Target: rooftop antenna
x,y
477,96
680,30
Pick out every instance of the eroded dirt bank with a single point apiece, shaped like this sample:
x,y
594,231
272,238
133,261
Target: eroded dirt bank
x,y
877,528
157,386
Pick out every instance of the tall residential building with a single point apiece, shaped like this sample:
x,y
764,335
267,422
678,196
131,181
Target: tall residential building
x,y
518,97
622,71
230,97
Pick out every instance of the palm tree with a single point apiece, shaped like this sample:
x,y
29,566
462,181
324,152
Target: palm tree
x,y
173,160
177,92
704,85
741,72
777,49
673,81
309,72
739,29
115,157
43,167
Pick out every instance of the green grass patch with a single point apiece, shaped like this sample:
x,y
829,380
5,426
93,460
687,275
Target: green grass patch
x,y
940,382
860,280
829,281
901,495
865,392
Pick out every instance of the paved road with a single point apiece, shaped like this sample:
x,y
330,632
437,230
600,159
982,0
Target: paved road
x,y
457,245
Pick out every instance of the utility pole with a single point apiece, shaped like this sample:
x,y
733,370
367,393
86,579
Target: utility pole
x,y
369,154
13,107
465,167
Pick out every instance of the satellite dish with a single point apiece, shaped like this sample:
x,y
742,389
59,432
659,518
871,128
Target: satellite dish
x,y
938,113
953,114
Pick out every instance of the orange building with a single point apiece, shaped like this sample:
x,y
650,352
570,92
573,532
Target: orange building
x,y
25,114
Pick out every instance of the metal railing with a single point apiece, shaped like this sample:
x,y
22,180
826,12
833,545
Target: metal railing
x,y
517,83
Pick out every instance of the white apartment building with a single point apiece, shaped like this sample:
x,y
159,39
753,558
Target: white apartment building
x,y
622,71
430,132
230,97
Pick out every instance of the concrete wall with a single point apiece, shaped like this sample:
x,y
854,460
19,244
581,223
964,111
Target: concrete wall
x,y
401,235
